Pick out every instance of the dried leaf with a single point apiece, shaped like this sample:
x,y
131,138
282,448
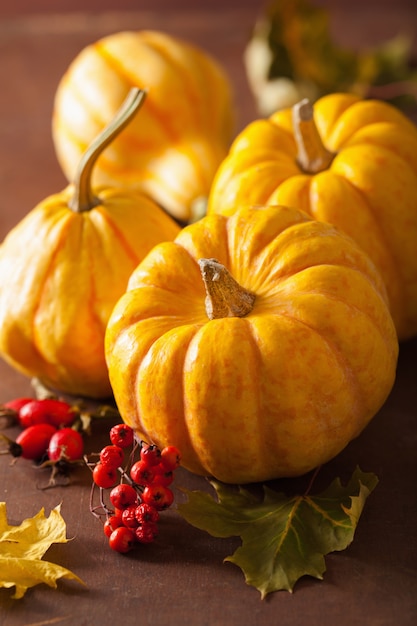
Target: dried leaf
x,y
292,54
22,548
283,538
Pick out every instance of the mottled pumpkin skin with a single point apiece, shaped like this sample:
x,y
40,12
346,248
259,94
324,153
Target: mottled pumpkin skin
x,y
61,273
271,394
369,191
172,149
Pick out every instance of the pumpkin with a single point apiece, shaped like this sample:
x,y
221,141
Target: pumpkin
x,y
259,344
63,267
186,128
348,161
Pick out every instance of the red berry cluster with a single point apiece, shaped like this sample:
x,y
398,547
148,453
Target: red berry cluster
x,y
138,490
47,430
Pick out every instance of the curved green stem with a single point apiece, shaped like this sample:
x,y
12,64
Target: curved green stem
x,y
83,198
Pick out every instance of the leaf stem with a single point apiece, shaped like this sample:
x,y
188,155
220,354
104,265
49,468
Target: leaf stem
x,y
312,479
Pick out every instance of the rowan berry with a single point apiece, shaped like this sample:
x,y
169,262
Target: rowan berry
x,y
159,496
112,456
104,477
122,435
123,495
122,539
129,516
163,476
151,454
146,513
141,473
111,524
146,533
170,457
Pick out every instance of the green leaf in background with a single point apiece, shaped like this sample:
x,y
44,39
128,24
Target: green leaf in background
x,y
292,54
283,538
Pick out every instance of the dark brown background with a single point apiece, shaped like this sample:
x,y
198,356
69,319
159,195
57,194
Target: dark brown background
x,y
182,579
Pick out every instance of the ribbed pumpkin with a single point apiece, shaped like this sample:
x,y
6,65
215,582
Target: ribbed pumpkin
x,y
353,164
185,129
258,344
64,266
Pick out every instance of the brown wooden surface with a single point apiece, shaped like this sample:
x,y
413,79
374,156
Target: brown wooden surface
x,y
181,579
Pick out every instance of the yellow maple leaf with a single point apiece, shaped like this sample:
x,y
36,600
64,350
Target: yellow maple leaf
x,y
22,548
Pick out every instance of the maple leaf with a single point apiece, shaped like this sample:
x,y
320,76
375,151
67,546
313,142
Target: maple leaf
x,y
22,548
283,537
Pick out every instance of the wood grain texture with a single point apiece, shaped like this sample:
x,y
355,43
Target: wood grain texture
x,y
181,579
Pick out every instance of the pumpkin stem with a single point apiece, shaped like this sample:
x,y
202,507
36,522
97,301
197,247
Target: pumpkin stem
x,y
83,198
312,156
225,297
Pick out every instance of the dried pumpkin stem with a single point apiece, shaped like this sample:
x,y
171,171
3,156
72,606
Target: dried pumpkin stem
x,y
225,297
312,155
83,198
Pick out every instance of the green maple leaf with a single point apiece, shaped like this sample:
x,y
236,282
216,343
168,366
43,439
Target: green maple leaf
x,y
283,538
22,548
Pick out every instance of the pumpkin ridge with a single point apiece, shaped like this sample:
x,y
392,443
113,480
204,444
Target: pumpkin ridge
x,y
385,239
117,233
115,63
52,256
204,64
161,341
180,68
174,139
376,223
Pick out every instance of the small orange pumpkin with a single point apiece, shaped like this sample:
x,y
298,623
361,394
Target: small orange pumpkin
x,y
63,267
262,363
185,129
354,164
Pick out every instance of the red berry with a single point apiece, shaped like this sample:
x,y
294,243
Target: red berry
x,y
105,477
118,512
151,454
111,524
158,496
14,406
112,456
170,457
122,539
162,476
141,473
67,444
129,516
147,533
123,495
32,443
146,513
122,435
47,410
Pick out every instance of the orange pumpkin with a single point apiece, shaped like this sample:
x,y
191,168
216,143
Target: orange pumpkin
x,y
185,129
63,267
263,363
354,164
